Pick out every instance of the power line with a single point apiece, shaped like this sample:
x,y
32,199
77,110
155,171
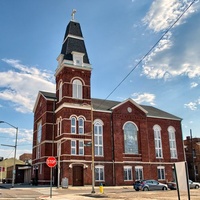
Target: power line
x,y
148,52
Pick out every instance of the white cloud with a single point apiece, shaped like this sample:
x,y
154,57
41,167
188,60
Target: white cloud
x,y
163,14
21,86
176,54
193,105
145,97
193,85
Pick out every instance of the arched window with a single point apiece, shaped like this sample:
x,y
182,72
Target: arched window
x,y
60,91
73,125
77,89
172,142
158,141
59,125
81,126
130,138
98,138
39,132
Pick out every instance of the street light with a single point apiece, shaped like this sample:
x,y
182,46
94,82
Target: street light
x,y
15,146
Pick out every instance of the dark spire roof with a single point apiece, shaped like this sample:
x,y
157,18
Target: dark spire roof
x,y
73,41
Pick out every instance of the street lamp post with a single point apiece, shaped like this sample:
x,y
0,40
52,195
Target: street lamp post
x,y
15,146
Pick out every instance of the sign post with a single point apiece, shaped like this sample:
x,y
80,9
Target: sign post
x,y
51,162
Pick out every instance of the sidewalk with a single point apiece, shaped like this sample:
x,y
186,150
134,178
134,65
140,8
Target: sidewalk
x,y
72,192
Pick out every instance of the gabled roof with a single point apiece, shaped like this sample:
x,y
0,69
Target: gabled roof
x,y
108,105
73,41
47,95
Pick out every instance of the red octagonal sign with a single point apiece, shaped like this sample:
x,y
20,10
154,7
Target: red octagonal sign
x,y
51,161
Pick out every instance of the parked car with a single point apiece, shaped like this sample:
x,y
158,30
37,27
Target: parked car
x,y
193,185
172,185
147,185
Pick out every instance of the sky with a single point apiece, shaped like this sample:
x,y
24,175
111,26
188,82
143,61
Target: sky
x,y
137,48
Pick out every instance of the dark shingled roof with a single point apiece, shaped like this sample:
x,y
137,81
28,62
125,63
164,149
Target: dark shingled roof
x,y
107,105
74,44
49,95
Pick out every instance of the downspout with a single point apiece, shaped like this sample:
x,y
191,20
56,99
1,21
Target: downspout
x,y
113,154
147,130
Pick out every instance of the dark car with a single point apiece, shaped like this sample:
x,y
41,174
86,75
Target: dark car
x,y
193,185
147,185
172,185
137,185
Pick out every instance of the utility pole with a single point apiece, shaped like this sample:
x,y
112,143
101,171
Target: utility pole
x,y
192,150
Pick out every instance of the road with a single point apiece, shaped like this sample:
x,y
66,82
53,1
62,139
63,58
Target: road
x,y
84,193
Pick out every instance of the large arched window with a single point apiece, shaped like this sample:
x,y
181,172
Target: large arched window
x,y
77,89
98,138
172,142
158,141
60,91
130,138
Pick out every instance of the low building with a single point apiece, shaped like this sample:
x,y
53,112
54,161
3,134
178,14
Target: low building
x,y
192,152
5,165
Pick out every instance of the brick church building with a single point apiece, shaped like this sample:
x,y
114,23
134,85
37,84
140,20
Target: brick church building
x,y
119,142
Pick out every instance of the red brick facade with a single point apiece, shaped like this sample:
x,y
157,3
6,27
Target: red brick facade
x,y
55,115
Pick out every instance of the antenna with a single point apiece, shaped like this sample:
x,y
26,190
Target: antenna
x,y
73,13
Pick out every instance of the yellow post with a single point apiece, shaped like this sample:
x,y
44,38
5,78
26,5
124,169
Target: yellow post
x,y
101,188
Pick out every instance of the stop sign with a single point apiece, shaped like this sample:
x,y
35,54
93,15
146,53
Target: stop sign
x,y
51,161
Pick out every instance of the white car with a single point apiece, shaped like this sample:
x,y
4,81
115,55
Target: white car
x,y
194,185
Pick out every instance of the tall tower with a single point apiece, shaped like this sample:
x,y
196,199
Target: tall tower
x,y
74,70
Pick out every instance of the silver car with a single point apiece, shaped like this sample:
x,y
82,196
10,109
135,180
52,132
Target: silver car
x,y
194,185
152,185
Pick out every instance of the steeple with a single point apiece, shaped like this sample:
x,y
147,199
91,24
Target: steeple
x,y
73,46
74,70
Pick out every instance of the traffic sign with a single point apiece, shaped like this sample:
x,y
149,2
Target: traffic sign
x,y
51,161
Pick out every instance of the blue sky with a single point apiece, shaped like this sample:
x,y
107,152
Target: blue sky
x,y
117,33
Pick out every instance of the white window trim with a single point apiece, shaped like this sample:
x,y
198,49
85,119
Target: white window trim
x,y
126,170
59,126
159,169
77,58
60,91
157,140
77,89
130,122
73,147
98,136
81,126
74,125
81,147
171,133
39,132
137,168
100,167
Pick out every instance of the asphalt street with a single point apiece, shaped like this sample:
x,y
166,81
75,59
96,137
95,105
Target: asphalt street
x,y
24,192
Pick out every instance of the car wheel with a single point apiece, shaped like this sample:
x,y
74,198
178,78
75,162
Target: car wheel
x,y
145,189
196,186
164,188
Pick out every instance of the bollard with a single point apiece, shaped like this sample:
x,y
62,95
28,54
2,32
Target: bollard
x,y
101,188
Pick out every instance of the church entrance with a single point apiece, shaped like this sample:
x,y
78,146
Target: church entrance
x,y
78,176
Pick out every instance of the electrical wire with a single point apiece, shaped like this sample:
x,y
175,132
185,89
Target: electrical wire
x,y
150,50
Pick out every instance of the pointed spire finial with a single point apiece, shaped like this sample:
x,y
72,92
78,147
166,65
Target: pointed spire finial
x,y
73,13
